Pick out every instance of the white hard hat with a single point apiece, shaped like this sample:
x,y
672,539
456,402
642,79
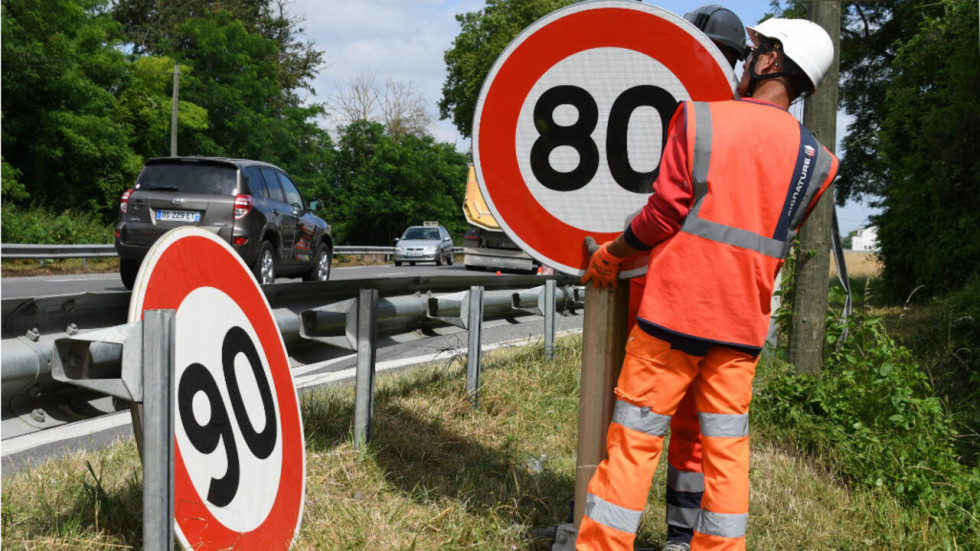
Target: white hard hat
x,y
804,42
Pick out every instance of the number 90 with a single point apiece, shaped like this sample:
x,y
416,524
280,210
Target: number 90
x,y
205,437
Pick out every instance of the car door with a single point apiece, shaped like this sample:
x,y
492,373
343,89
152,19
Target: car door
x,y
301,245
446,245
282,216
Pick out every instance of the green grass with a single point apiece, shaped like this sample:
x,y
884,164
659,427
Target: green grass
x,y
441,474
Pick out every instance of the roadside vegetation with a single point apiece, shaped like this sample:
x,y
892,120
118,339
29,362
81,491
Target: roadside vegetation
x,y
863,457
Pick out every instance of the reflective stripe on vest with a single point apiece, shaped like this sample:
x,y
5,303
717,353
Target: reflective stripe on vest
x,y
724,425
640,419
722,524
813,166
612,515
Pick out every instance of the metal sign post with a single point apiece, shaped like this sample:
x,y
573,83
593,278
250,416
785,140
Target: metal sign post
x,y
147,363
158,430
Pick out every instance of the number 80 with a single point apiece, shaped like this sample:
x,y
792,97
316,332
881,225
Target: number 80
x,y
578,136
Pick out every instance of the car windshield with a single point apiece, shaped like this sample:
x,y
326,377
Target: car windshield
x,y
189,178
421,233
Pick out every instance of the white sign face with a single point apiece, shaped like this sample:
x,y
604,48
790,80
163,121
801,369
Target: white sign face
x,y
239,461
572,118
221,367
605,76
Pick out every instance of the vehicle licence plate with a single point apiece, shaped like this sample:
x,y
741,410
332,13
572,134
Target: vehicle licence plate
x,y
178,216
414,253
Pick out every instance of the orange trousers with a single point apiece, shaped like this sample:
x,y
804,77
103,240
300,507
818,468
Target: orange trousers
x,y
685,480
651,385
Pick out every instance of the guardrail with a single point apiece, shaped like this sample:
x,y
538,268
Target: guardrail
x,y
9,251
313,319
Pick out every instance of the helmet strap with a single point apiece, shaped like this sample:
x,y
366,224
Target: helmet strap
x,y
754,77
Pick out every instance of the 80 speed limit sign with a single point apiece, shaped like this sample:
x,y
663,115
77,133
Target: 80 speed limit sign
x,y
572,118
239,460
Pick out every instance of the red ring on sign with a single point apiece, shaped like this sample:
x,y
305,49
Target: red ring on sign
x,y
187,264
549,238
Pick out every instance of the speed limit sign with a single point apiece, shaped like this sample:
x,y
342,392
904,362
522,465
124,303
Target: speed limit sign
x,y
239,459
572,117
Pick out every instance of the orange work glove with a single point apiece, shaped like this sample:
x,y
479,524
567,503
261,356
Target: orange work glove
x,y
603,266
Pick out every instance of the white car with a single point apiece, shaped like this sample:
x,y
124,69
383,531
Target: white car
x,y
427,243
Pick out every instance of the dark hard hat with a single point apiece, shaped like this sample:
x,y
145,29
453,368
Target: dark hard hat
x,y
721,25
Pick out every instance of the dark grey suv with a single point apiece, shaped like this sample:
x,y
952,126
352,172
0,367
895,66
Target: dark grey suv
x,y
252,205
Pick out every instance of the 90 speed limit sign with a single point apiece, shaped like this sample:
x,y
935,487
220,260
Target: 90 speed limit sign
x,y
239,459
572,118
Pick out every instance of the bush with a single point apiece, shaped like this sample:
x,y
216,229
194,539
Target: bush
x,y
38,225
871,414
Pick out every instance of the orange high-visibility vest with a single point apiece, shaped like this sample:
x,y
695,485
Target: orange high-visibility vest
x,y
756,174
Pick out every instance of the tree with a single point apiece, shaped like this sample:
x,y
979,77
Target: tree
x,y
931,205
64,133
379,185
908,77
151,27
399,107
234,76
482,37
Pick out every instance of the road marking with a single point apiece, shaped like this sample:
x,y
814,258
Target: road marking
x,y
53,435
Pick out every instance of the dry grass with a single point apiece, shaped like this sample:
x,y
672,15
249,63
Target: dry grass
x,y
441,474
27,268
859,265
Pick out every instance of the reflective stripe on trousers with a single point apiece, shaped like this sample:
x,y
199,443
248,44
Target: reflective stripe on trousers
x,y
651,384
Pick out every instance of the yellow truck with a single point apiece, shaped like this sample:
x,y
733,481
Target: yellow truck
x,y
486,246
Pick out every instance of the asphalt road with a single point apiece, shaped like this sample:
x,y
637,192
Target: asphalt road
x,y
39,286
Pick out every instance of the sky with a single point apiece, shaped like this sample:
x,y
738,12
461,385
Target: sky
x,y
405,40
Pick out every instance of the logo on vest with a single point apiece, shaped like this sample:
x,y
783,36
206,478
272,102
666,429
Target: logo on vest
x,y
809,150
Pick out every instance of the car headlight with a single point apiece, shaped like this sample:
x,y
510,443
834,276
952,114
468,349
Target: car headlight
x,y
430,250
399,250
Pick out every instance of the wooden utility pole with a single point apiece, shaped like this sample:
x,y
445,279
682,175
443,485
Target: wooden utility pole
x,y
173,112
807,329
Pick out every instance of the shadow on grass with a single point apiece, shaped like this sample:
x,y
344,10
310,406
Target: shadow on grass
x,y
426,459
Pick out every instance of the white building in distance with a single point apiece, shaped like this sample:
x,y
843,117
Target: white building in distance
x,y
865,240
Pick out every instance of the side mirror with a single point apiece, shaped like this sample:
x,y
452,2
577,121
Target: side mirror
x,y
315,204
396,240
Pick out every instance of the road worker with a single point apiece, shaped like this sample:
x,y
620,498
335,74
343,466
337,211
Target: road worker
x,y
737,179
685,480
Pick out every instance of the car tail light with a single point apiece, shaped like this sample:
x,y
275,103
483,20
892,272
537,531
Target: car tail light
x,y
239,240
243,204
124,201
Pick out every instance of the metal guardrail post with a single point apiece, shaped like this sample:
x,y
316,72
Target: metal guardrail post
x,y
367,314
158,430
549,319
475,328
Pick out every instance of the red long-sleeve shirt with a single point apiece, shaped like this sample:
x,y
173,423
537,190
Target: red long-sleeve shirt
x,y
673,193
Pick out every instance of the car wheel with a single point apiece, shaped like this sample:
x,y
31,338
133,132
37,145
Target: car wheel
x,y
450,259
398,263
320,271
439,260
128,268
411,263
265,265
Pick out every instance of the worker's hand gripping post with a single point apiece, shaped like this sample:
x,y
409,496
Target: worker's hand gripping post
x,y
603,266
